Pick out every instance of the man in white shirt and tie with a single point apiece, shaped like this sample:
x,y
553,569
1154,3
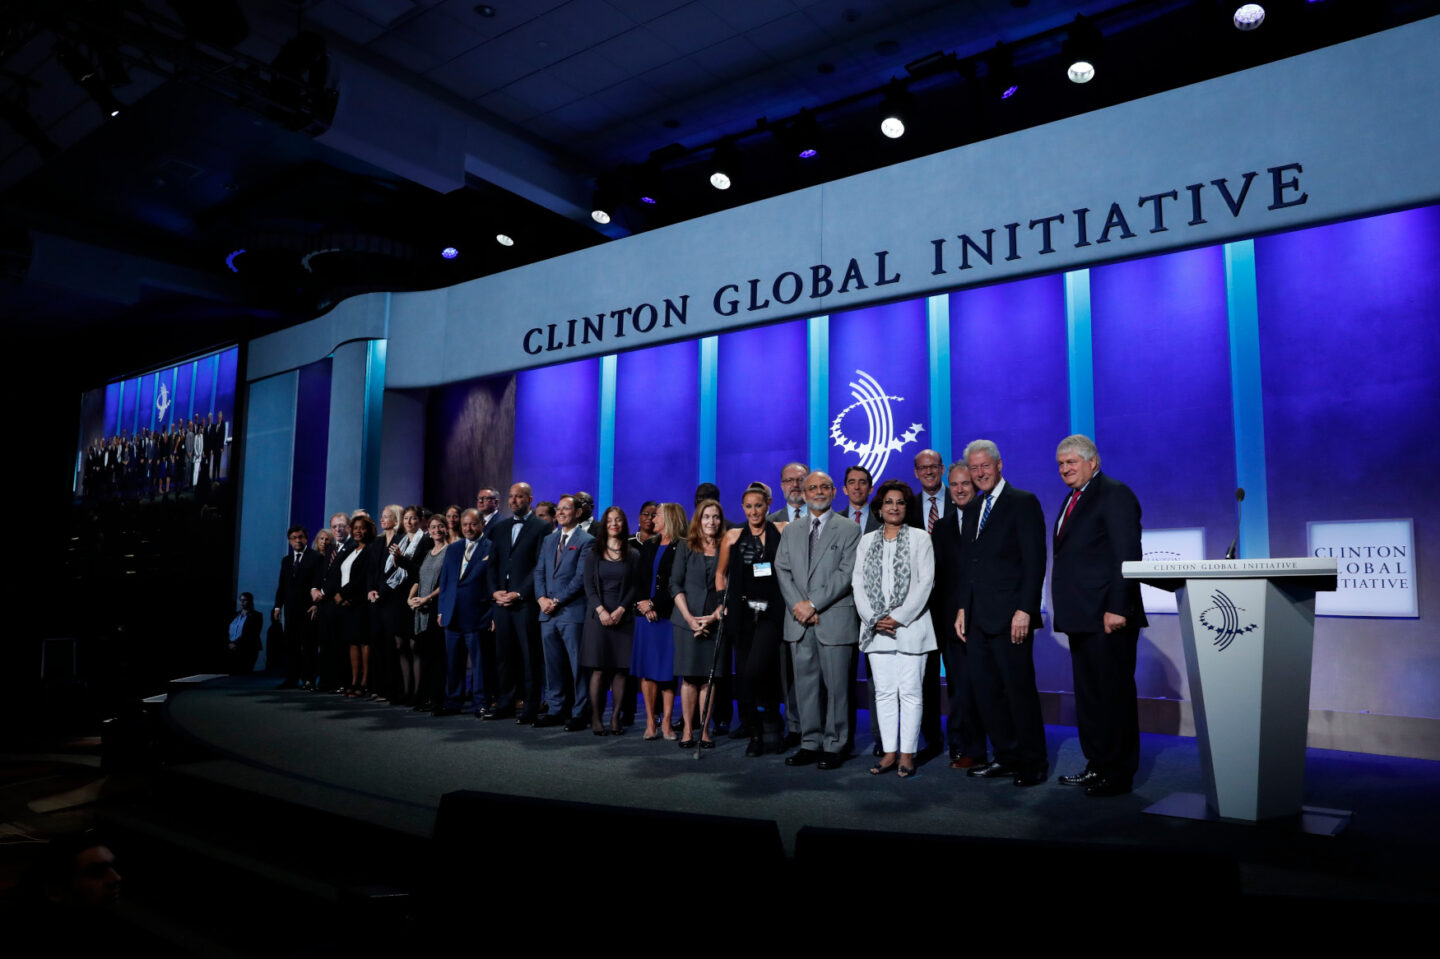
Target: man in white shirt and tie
x,y
792,487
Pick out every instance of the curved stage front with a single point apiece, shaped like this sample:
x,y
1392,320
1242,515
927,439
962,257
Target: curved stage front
x,y
390,767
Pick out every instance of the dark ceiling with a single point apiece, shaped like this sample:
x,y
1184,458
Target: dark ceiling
x,y
342,144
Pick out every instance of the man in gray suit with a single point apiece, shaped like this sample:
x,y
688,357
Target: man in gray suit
x,y
792,483
560,594
814,563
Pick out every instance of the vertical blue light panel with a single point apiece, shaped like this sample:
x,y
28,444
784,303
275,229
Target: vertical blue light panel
x,y
605,472
373,427
1246,398
145,397
657,418
879,388
937,310
227,365
204,386
1350,353
112,408
818,393
1010,374
762,398
1162,390
1081,352
705,440
127,407
312,433
557,431
184,384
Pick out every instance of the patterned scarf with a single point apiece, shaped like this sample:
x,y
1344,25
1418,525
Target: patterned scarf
x,y
874,574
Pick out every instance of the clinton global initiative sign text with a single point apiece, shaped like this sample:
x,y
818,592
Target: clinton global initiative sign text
x,y
1029,237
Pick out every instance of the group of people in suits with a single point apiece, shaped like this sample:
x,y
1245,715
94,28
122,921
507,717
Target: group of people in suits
x,y
181,455
538,619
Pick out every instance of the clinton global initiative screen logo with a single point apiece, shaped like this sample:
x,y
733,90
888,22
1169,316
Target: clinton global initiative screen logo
x,y
880,440
1223,619
162,401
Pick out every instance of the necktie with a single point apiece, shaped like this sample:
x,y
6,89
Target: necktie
x,y
934,515
857,516
1070,508
797,513
985,514
295,567
814,537
465,560
560,549
515,530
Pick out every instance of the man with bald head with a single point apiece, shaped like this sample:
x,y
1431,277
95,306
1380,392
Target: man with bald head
x,y
792,488
933,504
814,564
511,579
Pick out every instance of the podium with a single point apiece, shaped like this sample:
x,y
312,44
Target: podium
x,y
1248,627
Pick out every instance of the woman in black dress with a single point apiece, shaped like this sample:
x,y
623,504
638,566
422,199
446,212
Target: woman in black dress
x,y
612,581
355,586
756,618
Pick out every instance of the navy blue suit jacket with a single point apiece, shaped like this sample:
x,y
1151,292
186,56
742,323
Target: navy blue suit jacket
x,y
566,583
464,601
1102,532
1004,568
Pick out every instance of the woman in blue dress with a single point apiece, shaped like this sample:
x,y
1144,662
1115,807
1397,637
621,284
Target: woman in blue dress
x,y
652,657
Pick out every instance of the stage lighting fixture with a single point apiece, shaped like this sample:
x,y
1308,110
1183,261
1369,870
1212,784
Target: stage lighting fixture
x,y
647,199
1003,80
893,110
1081,50
89,77
504,240
805,135
1248,16
449,253
722,166
599,216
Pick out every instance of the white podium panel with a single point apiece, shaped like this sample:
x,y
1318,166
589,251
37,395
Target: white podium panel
x,y
1248,628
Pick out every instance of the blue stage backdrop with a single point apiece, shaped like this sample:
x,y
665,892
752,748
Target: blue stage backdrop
x,y
557,432
1008,376
312,433
657,403
760,414
1350,348
879,391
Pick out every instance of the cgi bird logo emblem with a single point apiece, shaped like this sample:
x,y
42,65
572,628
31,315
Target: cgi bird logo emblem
x,y
871,399
1223,619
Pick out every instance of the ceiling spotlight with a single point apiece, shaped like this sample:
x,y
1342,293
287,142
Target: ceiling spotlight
x,y
1003,80
449,253
647,199
1248,16
893,110
805,135
599,216
504,240
722,166
1081,50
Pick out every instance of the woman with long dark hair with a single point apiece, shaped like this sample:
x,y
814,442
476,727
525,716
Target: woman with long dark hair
x,y
612,581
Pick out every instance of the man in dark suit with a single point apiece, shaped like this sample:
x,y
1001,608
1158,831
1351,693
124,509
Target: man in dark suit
x,y
334,651
932,503
927,509
964,727
560,592
487,502
511,573
998,610
463,610
300,574
1097,529
858,483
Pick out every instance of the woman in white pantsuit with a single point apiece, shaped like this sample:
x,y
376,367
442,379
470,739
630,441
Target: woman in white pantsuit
x,y
894,570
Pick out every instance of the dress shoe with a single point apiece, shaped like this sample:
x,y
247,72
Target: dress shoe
x,y
1085,777
805,757
992,771
829,761
446,711
966,762
497,713
756,747
577,725
1108,787
548,720
1031,777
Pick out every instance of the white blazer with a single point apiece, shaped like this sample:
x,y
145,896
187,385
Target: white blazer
x,y
916,634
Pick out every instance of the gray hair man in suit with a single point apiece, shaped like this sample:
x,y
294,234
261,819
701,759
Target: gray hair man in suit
x,y
814,563
792,487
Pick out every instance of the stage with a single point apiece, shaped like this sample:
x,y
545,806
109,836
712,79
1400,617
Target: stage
x,y
388,768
